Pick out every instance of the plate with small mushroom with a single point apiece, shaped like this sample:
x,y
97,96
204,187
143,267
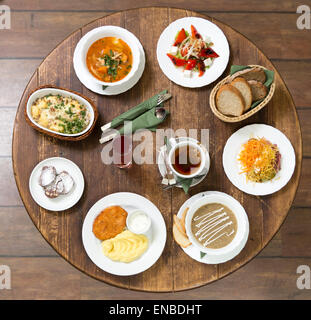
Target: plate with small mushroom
x,y
56,184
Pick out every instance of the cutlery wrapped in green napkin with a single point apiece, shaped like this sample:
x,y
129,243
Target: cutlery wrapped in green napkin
x,y
147,120
135,111
147,115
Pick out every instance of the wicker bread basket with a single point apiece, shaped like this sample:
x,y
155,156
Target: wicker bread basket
x,y
218,114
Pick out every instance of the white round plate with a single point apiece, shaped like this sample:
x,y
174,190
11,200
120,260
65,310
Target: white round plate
x,y
193,251
130,202
195,180
62,202
206,29
232,167
97,88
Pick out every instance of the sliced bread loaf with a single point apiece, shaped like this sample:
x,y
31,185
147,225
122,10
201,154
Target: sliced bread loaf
x,y
242,85
259,90
254,73
229,101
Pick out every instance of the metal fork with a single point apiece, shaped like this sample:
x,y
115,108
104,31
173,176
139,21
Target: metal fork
x,y
163,97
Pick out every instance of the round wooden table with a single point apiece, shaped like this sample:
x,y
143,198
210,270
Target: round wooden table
x,y
189,108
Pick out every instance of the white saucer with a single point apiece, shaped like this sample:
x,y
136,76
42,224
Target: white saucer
x,y
195,180
193,251
232,167
97,88
62,202
205,28
130,202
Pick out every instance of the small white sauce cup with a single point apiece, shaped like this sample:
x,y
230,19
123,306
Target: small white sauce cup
x,y
138,214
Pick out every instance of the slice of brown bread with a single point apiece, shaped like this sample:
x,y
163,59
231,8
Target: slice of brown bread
x,y
259,90
254,73
243,86
229,101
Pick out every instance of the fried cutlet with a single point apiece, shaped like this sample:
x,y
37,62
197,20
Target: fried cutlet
x,y
109,223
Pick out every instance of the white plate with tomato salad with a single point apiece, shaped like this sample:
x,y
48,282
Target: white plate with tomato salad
x,y
259,159
193,52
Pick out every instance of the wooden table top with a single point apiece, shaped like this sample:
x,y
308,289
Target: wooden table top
x,y
189,108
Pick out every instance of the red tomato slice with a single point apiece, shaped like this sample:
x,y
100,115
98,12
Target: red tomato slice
x,y
191,64
208,53
195,33
177,61
180,37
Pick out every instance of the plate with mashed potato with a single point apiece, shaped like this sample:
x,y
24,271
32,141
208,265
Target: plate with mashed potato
x,y
111,240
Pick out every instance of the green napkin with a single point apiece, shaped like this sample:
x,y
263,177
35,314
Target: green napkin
x,y
185,183
269,80
147,120
136,111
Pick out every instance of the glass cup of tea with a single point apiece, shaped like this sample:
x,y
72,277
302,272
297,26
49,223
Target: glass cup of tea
x,y
122,151
186,158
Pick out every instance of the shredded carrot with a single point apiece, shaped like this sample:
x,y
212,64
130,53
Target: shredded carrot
x,y
258,159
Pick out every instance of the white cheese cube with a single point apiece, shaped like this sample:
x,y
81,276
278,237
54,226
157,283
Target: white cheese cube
x,y
174,50
208,62
187,73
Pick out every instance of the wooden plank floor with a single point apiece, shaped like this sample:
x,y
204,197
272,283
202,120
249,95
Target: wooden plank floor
x,y
37,270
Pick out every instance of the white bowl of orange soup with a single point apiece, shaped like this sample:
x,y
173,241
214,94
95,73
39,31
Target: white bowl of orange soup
x,y
110,55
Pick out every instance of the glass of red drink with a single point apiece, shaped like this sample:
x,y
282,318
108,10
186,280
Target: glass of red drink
x,y
122,151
